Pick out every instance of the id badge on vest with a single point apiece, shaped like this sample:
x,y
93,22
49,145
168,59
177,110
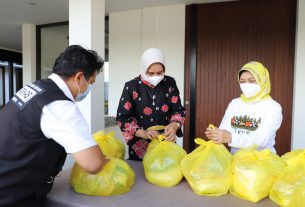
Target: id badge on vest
x,y
25,94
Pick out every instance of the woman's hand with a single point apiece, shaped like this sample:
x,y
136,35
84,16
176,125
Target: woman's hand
x,y
170,132
151,134
147,134
218,136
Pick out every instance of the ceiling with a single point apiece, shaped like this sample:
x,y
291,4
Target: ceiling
x,y
14,13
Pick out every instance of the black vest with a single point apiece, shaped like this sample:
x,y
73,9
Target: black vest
x,y
28,160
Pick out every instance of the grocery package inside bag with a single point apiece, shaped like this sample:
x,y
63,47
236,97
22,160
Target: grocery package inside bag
x,y
162,162
208,168
115,178
254,172
287,185
298,197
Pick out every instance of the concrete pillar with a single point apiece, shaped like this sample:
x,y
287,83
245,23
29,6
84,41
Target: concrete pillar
x,y
87,28
28,53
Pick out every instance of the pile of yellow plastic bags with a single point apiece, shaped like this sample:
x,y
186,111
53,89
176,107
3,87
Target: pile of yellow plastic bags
x,y
210,170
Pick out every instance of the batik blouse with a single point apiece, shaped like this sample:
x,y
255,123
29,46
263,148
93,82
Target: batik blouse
x,y
143,105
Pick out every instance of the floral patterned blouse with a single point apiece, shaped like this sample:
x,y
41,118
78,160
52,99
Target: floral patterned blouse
x,y
143,105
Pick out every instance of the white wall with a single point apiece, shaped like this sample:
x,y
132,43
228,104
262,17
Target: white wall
x,y
164,28
298,124
88,30
125,49
132,32
28,53
53,42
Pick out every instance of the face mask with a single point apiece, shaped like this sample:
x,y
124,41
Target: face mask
x,y
80,96
154,80
249,89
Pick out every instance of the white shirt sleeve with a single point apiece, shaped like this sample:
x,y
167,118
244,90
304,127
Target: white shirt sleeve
x,y
63,122
226,120
263,136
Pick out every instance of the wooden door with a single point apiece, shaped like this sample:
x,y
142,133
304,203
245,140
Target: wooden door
x,y
220,39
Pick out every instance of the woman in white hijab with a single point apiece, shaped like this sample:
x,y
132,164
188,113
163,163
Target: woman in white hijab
x,y
148,100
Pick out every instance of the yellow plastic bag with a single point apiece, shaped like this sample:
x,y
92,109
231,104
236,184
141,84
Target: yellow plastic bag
x,y
162,162
287,184
111,146
290,156
208,168
156,128
116,178
254,172
298,198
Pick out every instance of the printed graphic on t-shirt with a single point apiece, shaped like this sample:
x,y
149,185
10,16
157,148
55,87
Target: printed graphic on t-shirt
x,y
25,94
245,122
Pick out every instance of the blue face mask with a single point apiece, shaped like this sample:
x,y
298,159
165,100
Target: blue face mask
x,y
81,96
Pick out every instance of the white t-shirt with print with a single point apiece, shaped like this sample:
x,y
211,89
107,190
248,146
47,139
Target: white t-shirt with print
x,y
252,123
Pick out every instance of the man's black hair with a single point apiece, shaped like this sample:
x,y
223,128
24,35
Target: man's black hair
x,y
77,59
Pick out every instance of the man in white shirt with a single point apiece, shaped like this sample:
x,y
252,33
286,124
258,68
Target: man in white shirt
x,y
42,123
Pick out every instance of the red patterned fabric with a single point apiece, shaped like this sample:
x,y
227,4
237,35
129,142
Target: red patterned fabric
x,y
134,95
140,148
164,108
174,99
178,118
130,129
147,111
127,105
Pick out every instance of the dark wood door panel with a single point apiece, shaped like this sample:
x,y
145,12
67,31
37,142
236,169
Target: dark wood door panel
x,y
228,35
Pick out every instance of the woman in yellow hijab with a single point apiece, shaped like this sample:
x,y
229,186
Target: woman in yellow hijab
x,y
254,117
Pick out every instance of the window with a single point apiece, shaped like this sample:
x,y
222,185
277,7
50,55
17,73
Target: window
x,y
10,80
